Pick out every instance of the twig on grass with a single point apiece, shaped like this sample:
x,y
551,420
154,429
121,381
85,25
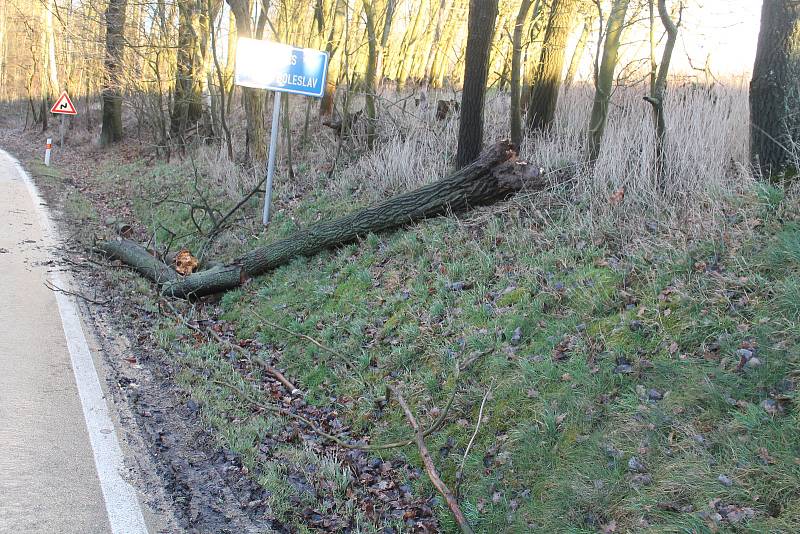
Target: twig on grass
x,y
52,287
314,427
264,365
430,469
301,336
460,472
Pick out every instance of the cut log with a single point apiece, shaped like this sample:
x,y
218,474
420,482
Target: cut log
x,y
139,259
494,176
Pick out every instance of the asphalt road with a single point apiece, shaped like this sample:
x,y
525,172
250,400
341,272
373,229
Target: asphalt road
x,y
61,468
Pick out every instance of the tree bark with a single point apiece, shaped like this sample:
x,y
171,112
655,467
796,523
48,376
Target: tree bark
x,y
516,72
547,81
255,144
605,77
139,259
775,91
577,54
326,104
482,15
496,175
370,76
111,130
187,106
659,91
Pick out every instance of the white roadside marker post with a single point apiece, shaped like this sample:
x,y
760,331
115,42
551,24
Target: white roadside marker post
x,y
47,148
273,144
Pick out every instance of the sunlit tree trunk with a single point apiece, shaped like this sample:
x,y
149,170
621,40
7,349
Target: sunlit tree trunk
x,y
255,144
326,104
547,81
230,60
52,64
533,49
111,130
3,46
516,71
187,100
482,15
433,50
775,91
577,55
370,76
605,77
659,91
387,27
407,50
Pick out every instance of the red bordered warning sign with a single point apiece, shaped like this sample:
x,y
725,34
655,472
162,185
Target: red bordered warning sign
x,y
64,105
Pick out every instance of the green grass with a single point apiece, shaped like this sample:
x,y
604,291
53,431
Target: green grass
x,y
540,461
561,423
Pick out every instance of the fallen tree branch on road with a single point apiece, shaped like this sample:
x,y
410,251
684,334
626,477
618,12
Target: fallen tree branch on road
x,y
494,176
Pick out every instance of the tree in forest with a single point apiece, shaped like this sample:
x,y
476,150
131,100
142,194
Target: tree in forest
x,y
331,46
547,80
605,77
376,43
577,54
482,15
371,75
255,140
516,74
111,130
435,43
658,90
775,91
187,104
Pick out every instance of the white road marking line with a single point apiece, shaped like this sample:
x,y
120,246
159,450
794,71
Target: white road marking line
x,y
122,506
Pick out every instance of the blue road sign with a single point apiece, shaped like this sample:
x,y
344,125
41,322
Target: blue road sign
x,y
279,67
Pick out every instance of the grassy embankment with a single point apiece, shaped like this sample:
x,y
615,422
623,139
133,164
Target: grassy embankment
x,y
598,360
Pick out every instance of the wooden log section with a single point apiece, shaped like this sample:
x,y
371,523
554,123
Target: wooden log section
x,y
494,176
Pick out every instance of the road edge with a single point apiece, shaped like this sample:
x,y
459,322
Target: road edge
x,y
122,505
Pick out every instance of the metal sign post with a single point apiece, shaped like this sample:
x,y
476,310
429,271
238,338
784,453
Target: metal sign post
x,y
63,106
273,148
283,69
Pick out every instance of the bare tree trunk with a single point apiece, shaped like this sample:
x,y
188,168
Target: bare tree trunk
x,y
775,91
370,76
387,28
187,102
326,105
547,81
407,51
230,61
577,55
52,70
482,16
222,89
605,77
533,50
433,50
111,130
255,143
516,71
656,99
494,176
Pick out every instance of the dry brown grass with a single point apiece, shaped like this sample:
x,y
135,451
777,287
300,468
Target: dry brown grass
x,y
707,153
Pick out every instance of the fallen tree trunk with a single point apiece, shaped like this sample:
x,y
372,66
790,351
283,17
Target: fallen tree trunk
x,y
139,259
494,176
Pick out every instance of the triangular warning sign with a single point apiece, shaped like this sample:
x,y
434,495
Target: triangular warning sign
x,y
63,105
